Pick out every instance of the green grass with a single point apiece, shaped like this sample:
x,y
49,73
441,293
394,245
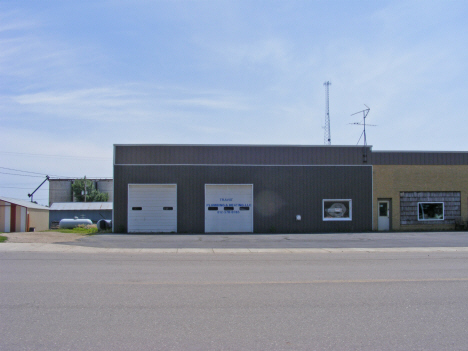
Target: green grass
x,y
3,238
83,230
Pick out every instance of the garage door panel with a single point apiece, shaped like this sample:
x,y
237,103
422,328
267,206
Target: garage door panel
x,y
154,210
228,208
146,208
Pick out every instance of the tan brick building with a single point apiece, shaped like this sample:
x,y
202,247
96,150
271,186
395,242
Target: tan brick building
x,y
419,190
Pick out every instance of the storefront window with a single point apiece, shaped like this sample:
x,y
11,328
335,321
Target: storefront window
x,y
337,210
431,211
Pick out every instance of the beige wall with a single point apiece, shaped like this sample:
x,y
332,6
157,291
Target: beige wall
x,y
19,218
38,219
390,180
2,216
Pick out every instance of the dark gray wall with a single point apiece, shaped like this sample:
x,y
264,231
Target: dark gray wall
x,y
418,158
280,193
239,154
279,155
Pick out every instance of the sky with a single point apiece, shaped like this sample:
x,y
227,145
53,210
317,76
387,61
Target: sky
x,y
77,77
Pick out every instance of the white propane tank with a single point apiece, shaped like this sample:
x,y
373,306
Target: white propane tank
x,y
73,223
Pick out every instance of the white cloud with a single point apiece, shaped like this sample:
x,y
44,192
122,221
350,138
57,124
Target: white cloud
x,y
272,52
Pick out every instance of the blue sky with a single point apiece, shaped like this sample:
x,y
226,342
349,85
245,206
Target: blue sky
x,y
78,77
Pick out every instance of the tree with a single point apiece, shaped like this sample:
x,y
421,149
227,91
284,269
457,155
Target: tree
x,y
92,194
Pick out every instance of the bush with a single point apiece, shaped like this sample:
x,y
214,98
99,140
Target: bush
x,y
81,229
92,194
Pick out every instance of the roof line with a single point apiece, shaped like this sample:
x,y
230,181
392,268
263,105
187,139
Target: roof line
x,y
249,145
419,151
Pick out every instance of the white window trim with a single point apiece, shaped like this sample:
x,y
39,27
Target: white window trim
x,y
431,202
350,218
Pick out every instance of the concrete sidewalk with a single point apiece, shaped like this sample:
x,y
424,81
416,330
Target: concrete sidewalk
x,y
273,241
39,247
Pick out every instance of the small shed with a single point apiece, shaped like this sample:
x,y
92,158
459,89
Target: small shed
x,y
21,215
89,210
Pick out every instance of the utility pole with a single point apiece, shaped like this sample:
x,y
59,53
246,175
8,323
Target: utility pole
x,y
84,188
327,136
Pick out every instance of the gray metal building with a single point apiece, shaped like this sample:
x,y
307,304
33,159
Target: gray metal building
x,y
242,188
89,210
60,189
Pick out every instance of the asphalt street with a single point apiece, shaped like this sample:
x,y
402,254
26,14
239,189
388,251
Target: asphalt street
x,y
358,240
142,301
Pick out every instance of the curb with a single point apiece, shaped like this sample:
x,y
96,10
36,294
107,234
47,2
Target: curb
x,y
36,247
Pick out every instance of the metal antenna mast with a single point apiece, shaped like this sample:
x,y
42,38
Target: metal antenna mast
x,y
327,136
363,123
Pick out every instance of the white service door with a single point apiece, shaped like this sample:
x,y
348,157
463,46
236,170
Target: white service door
x,y
152,208
7,217
24,219
229,208
384,215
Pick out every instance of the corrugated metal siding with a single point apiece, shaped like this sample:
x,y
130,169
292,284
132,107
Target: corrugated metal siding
x,y
238,154
280,193
79,206
418,158
278,155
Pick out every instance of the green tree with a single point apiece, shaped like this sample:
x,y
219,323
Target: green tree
x,y
92,194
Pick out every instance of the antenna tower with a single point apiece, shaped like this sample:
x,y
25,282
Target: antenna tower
x,y
363,123
327,136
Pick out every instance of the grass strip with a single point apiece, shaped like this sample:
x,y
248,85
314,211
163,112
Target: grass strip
x,y
87,230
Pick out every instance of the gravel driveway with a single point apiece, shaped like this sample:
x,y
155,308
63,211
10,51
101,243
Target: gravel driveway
x,y
40,237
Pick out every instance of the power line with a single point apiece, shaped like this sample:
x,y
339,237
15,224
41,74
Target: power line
x,y
14,187
19,170
43,174
21,185
56,156
22,175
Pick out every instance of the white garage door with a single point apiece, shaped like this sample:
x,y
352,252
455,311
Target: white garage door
x,y
229,208
152,208
24,218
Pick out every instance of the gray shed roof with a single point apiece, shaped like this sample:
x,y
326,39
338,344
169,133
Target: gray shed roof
x,y
81,206
23,203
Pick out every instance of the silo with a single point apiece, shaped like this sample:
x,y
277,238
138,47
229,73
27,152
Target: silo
x,y
60,190
106,186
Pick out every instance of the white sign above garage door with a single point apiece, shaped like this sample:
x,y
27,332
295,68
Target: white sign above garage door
x,y
228,208
152,208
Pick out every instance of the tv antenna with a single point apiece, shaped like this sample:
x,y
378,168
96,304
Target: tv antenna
x,y
327,136
363,123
